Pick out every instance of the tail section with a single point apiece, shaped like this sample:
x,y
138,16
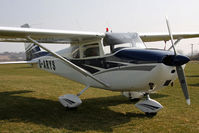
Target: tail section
x,y
32,51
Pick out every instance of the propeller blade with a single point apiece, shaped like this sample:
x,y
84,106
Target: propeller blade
x,y
183,83
171,36
178,61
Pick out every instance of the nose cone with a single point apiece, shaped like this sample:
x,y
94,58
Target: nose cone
x,y
181,60
175,60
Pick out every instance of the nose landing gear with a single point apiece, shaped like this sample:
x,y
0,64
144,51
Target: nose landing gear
x,y
149,106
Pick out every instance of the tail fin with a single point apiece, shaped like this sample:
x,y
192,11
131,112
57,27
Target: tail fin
x,y
32,50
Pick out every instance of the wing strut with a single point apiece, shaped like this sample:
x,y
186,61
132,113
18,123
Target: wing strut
x,y
82,71
175,43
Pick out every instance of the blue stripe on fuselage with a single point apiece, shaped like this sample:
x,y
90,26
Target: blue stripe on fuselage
x,y
138,56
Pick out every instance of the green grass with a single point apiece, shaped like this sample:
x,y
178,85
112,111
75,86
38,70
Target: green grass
x,y
29,103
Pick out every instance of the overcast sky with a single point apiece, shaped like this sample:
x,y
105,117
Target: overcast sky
x,y
95,15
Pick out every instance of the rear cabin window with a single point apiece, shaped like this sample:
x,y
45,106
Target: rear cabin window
x,y
75,52
91,50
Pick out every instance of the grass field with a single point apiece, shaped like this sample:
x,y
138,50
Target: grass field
x,y
29,103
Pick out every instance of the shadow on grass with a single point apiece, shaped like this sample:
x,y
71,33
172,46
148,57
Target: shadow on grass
x,y
192,76
24,67
197,84
93,115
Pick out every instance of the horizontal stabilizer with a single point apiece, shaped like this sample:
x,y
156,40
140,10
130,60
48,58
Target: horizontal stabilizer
x,y
19,62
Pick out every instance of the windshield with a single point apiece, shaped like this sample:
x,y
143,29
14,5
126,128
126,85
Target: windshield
x,y
117,41
133,39
137,42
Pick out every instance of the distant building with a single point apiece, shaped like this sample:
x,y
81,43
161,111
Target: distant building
x,y
11,56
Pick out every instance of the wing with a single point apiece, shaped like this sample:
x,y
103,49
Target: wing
x,y
13,34
152,37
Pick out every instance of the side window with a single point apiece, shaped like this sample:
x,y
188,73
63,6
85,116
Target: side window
x,y
91,50
75,52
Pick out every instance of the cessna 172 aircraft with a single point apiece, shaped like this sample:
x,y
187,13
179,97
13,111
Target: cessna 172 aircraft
x,y
112,61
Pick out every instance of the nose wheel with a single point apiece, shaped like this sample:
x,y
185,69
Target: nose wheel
x,y
149,106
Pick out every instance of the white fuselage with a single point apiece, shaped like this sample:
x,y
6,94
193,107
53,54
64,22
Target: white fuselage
x,y
135,77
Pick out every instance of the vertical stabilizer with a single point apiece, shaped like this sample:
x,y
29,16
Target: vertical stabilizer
x,y
31,49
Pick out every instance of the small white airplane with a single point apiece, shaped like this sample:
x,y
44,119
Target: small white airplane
x,y
112,61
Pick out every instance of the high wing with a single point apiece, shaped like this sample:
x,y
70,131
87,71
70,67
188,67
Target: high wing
x,y
13,34
152,37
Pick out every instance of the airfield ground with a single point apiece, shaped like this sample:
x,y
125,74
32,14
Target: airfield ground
x,y
29,103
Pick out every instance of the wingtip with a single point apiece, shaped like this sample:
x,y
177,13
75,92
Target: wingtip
x,y
188,101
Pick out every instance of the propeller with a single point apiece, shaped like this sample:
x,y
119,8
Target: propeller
x,y
178,61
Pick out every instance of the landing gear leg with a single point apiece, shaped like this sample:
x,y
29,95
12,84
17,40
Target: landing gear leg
x,y
133,96
71,101
83,91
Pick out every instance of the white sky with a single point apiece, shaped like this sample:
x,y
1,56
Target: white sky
x,y
96,15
